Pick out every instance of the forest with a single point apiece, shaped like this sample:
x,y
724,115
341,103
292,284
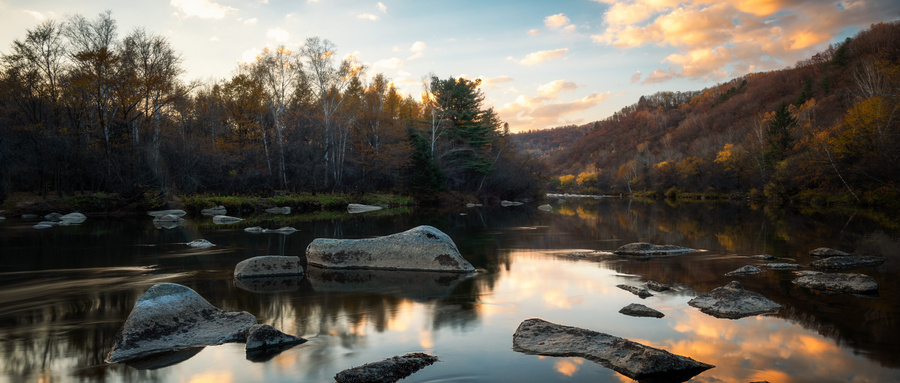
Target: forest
x,y
84,111
826,130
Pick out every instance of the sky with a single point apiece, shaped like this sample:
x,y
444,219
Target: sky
x,y
542,63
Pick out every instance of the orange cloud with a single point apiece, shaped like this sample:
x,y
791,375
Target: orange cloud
x,y
550,90
556,21
540,56
530,113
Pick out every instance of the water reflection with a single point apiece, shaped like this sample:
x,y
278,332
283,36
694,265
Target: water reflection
x,y
64,294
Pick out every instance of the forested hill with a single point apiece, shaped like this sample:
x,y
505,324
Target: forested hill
x,y
829,124
546,143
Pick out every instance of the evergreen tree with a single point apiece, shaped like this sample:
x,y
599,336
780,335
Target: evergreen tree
x,y
426,178
778,134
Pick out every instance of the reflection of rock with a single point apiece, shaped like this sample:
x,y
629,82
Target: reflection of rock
x,y
44,225
218,210
420,248
171,317
642,293
167,224
164,359
265,342
782,266
413,285
175,212
642,249
545,207
733,302
279,210
837,263
168,218
656,286
838,282
200,243
506,203
639,310
269,284
388,370
224,219
268,266
53,217
827,252
745,270
73,218
281,230
631,359
355,208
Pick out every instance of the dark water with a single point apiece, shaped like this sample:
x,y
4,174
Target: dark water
x,y
65,292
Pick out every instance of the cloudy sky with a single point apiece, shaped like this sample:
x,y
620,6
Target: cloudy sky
x,y
542,63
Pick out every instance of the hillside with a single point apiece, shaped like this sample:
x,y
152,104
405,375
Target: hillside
x,y
827,125
546,143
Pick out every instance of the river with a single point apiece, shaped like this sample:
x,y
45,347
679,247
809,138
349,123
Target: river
x,y
65,292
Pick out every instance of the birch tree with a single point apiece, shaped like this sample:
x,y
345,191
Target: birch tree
x,y
280,72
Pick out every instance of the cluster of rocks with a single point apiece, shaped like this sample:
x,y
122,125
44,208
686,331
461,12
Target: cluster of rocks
x,y
282,230
648,250
57,219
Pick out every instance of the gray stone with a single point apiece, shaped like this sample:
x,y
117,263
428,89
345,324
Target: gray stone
x,y
639,310
170,317
745,270
642,293
44,225
506,203
73,218
29,216
200,243
733,302
355,208
281,230
254,229
53,217
632,359
782,266
656,286
175,212
642,249
218,210
388,370
224,219
268,266
827,252
168,218
838,282
279,210
838,263
420,248
263,336
545,207
764,257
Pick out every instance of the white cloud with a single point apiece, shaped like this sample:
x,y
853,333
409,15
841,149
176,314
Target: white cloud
x,y
252,21
540,56
277,34
367,16
552,89
636,77
382,7
556,21
391,63
418,49
534,32
250,55
37,15
214,38
494,82
203,9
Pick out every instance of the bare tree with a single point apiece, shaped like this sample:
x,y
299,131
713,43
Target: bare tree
x,y
280,72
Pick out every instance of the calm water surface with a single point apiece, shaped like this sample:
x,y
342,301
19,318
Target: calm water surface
x,y
65,292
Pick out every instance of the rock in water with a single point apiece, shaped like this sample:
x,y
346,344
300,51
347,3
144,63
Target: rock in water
x,y
420,248
642,249
733,302
355,208
782,266
642,293
388,370
281,230
639,310
170,317
168,218
175,212
827,252
279,210
254,229
505,203
73,218
200,243
837,263
656,286
545,207
745,270
263,336
838,282
764,257
224,219
632,359
218,210
268,266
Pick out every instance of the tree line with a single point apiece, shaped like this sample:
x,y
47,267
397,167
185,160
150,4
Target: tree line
x,y
828,126
83,110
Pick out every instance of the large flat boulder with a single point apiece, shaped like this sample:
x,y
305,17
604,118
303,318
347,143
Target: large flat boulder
x,y
268,266
632,359
386,371
733,302
171,317
420,248
839,262
73,218
838,282
643,249
639,310
744,270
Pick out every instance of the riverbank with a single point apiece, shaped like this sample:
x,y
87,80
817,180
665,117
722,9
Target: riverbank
x,y
104,204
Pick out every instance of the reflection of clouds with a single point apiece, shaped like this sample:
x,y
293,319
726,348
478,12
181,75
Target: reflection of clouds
x,y
558,299
211,377
568,367
426,340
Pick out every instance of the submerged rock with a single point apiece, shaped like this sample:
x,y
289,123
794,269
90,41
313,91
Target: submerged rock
x,y
175,212
642,293
643,249
388,370
545,207
200,243
745,270
838,282
224,219
733,302
268,266
506,203
656,286
263,336
420,248
44,225
355,208
279,210
782,266
218,210
170,317
639,310
837,263
827,252
632,359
